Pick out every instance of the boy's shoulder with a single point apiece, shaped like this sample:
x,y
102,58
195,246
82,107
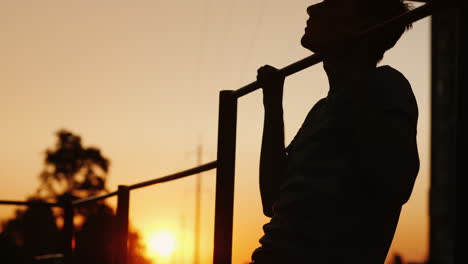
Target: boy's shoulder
x,y
384,89
385,86
384,81
390,79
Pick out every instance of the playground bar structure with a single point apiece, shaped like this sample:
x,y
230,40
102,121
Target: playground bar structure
x,y
448,132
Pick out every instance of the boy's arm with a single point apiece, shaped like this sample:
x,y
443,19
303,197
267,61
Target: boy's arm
x,y
273,155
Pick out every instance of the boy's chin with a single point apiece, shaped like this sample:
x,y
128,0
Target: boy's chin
x,y
308,44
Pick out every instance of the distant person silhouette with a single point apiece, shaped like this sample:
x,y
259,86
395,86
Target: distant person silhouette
x,y
335,193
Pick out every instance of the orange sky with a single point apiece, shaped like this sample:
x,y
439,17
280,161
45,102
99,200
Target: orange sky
x,y
140,80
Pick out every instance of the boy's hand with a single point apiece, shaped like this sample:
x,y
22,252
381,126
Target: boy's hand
x,y
272,84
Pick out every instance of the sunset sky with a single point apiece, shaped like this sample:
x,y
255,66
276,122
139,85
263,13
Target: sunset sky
x,y
140,80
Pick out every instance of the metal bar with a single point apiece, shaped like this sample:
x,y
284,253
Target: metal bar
x,y
225,178
409,17
68,232
123,200
286,71
29,203
93,199
175,176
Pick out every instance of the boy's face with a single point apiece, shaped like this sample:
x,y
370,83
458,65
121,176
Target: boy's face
x,y
330,21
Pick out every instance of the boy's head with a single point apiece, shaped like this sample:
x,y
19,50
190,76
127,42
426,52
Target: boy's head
x,y
332,21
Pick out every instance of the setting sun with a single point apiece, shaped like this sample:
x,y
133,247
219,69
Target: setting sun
x,y
162,243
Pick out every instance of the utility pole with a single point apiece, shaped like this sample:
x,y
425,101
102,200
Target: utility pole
x,y
196,255
180,254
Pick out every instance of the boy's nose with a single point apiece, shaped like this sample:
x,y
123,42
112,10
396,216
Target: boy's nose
x,y
311,10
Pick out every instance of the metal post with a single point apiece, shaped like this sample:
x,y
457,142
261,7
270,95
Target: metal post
x,y
460,183
68,232
447,31
225,178
123,199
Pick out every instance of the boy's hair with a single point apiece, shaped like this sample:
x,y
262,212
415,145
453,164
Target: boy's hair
x,y
378,11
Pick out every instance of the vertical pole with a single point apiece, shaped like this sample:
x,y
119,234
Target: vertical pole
x,y
196,255
447,135
68,231
459,194
123,199
225,178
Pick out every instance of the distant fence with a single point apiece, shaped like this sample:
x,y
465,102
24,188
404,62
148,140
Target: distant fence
x,y
225,163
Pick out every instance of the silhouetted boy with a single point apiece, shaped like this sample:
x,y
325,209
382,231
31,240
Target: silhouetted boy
x,y
335,193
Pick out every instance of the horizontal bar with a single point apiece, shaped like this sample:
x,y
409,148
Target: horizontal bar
x,y
28,203
175,176
286,71
408,17
93,199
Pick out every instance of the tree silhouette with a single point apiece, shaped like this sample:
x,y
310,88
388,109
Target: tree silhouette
x,y
95,241
30,233
71,172
136,249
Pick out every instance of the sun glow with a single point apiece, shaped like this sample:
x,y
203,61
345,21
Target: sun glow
x,y
162,243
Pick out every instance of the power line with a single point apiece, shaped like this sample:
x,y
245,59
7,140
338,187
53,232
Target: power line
x,y
252,41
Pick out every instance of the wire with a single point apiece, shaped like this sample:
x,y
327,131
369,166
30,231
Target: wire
x,y
202,44
252,41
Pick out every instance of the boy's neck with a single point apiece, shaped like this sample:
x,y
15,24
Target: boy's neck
x,y
344,70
